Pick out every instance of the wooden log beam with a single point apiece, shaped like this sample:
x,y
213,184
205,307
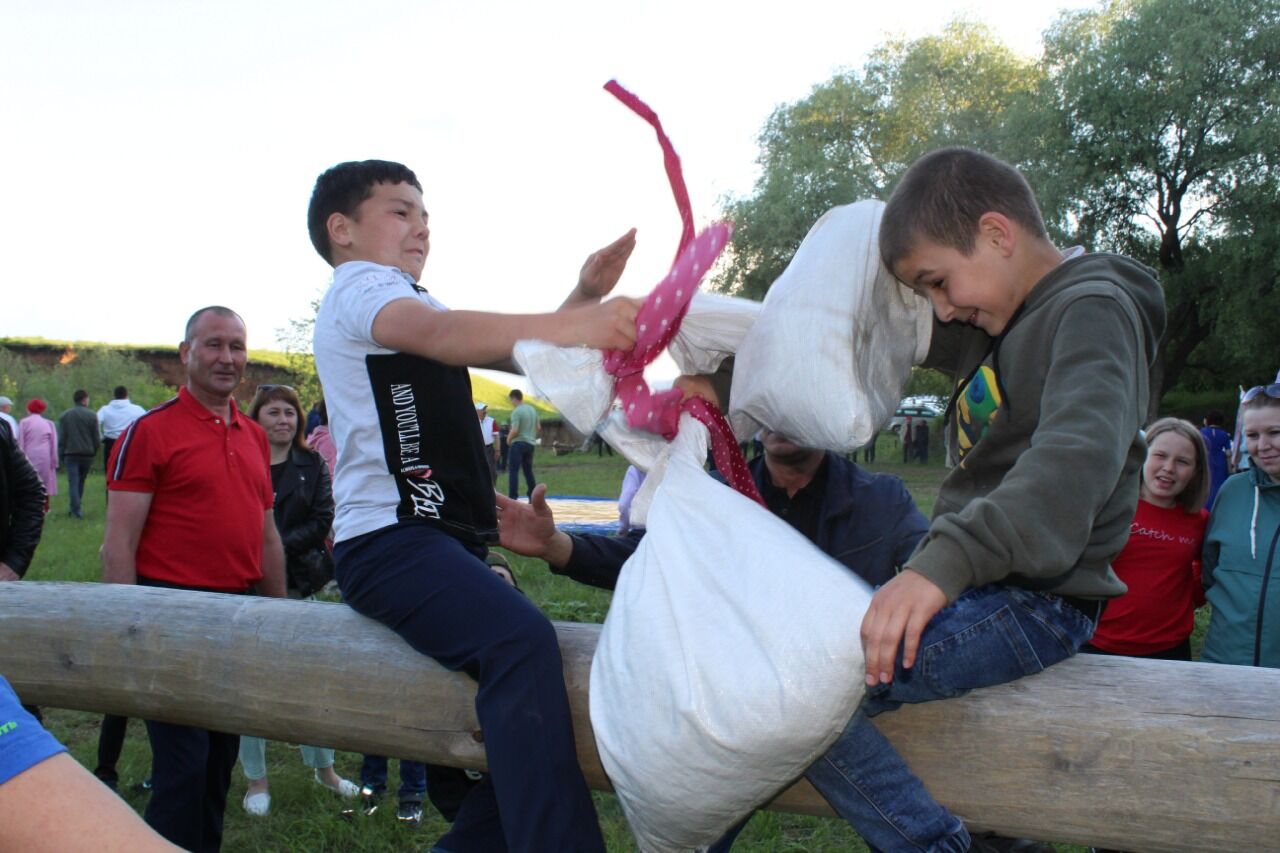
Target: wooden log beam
x,y
1138,755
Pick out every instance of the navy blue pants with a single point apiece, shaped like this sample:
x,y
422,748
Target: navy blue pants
x,y
521,458
446,603
190,775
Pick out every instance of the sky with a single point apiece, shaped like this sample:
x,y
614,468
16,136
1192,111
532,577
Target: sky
x,y
159,156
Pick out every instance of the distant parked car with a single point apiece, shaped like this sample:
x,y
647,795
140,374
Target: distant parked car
x,y
914,412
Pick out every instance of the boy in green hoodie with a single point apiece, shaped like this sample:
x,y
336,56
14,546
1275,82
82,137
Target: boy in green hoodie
x,y
1051,354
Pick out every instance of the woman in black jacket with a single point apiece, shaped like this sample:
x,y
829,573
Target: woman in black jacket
x,y
304,514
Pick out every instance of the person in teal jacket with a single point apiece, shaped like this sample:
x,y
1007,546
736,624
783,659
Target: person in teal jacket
x,y
1240,559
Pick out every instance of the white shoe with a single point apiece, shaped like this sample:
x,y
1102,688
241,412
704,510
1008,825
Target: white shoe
x,y
345,788
257,804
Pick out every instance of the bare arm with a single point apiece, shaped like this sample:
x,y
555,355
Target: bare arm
x,y
58,806
273,582
466,338
126,516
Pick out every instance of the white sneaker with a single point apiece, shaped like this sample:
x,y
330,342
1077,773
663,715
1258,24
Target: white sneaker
x,y
257,804
345,788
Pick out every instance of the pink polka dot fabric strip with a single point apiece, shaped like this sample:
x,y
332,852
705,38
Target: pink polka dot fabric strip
x,y
659,319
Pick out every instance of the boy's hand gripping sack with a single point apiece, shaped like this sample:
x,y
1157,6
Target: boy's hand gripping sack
x,y
835,340
729,662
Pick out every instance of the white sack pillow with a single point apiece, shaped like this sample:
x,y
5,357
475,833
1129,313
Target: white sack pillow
x,y
835,340
729,662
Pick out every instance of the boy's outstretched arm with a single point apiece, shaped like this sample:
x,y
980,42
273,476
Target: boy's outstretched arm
x,y
898,614
601,271
467,338
529,529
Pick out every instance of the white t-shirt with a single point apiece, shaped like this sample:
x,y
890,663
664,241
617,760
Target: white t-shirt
x,y
404,426
488,429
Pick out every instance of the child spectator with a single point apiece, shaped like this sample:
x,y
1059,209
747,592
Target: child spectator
x,y
415,507
1160,562
1014,569
1218,444
1240,546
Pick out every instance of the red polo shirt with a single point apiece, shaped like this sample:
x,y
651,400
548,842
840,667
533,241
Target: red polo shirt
x,y
210,486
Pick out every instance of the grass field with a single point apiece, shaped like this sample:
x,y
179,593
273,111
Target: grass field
x,y
305,817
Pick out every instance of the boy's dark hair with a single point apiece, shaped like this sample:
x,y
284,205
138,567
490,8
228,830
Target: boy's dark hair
x,y
1215,418
121,392
342,188
516,394
944,194
80,396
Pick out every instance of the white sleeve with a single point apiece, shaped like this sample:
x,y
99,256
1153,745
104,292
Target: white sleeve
x,y
359,299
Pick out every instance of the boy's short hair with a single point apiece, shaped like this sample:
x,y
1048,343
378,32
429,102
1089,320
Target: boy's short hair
x,y
1196,494
342,188
1215,418
121,392
80,396
515,394
944,194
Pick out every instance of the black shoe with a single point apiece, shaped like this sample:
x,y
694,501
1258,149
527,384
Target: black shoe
x,y
143,787
111,780
409,814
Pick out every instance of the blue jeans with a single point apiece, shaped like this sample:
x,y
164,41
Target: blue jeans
x,y
413,777
439,596
988,636
521,457
77,472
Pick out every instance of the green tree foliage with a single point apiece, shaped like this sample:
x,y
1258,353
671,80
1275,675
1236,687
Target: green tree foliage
x,y
1149,127
855,134
1161,136
96,370
296,341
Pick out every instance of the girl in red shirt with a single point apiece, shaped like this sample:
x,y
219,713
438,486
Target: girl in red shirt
x,y
1161,561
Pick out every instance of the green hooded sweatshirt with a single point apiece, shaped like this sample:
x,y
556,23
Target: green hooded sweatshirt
x,y
1050,414
1240,568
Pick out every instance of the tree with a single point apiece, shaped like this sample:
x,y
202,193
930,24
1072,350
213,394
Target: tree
x,y
296,340
855,134
1162,117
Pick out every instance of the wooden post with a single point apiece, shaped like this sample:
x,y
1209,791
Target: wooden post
x,y
1114,752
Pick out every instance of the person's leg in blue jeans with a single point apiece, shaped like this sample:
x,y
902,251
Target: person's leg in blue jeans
x,y
521,459
526,465
413,781
77,472
988,636
515,454
373,774
447,604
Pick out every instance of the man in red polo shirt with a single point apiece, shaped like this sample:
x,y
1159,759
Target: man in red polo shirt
x,y
191,508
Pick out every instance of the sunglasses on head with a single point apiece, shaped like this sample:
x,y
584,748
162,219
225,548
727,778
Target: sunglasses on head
x,y
274,387
1272,391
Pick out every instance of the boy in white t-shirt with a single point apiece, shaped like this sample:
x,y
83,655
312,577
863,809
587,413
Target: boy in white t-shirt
x,y
415,504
